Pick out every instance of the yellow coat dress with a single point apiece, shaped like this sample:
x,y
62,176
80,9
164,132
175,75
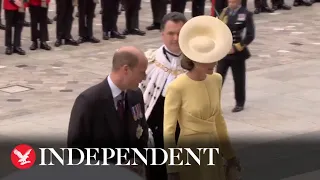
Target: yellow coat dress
x,y
196,106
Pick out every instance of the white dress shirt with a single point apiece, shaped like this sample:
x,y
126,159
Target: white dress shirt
x,y
114,90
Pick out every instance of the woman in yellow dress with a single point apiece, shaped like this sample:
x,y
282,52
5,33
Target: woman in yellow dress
x,y
193,100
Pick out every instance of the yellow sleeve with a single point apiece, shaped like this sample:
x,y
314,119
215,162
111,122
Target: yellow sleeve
x,y
222,131
171,111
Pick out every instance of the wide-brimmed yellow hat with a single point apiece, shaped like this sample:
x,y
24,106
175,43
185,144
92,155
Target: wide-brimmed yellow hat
x,y
205,39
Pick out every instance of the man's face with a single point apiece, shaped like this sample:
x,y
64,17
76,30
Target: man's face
x,y
233,4
170,35
135,75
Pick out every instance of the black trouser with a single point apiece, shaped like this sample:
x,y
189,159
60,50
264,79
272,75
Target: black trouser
x,y
159,9
277,2
64,19
132,13
238,68
260,3
180,5
155,122
0,9
39,17
86,14
14,19
221,4
110,15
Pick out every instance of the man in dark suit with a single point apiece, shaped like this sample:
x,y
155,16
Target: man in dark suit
x,y
110,12
221,4
159,9
238,19
111,113
2,26
86,14
180,6
261,6
132,8
64,22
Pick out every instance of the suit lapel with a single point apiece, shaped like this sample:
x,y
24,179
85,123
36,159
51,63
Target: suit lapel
x,y
232,19
111,114
130,120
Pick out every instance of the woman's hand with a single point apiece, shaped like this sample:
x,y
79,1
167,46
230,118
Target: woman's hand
x,y
173,176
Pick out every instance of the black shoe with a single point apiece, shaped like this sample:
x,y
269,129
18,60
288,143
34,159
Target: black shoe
x,y
237,109
19,51
257,11
2,26
49,21
267,9
26,24
45,46
93,40
105,37
9,51
58,43
34,46
55,18
284,7
116,34
82,40
134,32
153,26
71,42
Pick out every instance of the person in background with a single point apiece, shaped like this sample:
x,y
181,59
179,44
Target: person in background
x,y
39,16
159,9
14,11
64,22
86,14
262,6
221,4
110,13
132,8
237,18
2,26
164,66
180,6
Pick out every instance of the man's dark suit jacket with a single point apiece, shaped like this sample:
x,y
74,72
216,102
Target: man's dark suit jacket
x,y
95,123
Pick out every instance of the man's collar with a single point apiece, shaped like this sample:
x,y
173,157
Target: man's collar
x,y
171,53
114,89
235,10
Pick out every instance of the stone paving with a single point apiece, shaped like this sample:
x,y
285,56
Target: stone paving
x,y
37,91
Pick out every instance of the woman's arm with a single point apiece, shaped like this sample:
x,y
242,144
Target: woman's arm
x,y
172,107
222,131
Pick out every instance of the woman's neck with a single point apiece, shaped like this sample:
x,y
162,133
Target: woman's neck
x,y
196,76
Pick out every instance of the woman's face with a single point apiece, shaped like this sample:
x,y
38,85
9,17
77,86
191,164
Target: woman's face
x,y
205,67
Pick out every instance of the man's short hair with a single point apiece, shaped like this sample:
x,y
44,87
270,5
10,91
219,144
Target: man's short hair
x,y
173,16
124,58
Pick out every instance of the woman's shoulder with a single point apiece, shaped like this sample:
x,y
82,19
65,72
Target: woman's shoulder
x,y
215,77
179,81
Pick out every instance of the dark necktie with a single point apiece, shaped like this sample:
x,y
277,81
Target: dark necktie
x,y
120,105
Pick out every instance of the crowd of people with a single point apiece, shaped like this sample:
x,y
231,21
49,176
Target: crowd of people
x,y
15,17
